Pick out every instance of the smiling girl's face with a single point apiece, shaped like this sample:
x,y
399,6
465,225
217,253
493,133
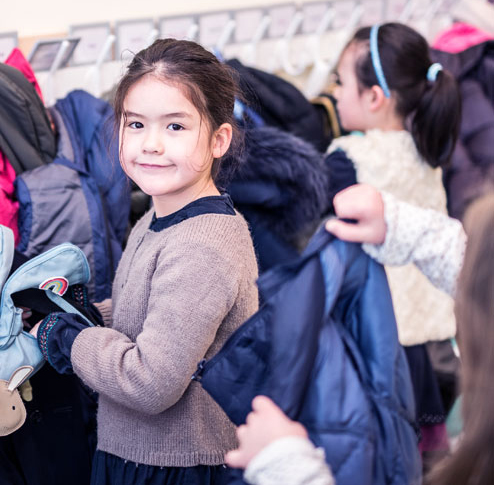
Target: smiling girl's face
x,y
166,148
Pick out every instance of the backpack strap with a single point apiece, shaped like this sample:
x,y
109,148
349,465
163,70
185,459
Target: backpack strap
x,y
6,253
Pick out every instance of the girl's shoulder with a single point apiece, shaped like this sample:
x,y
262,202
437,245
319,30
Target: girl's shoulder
x,y
390,161
221,232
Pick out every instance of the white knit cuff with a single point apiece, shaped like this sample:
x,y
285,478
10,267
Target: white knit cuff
x,y
291,460
387,253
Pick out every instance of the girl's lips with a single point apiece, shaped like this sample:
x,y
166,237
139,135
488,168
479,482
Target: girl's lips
x,y
151,166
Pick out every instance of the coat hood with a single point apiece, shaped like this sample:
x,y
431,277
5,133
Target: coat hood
x,y
282,178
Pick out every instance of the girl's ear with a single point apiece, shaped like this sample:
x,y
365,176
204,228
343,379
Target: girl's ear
x,y
221,140
375,98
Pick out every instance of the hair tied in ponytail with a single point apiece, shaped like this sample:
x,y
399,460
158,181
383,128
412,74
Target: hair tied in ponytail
x,y
433,70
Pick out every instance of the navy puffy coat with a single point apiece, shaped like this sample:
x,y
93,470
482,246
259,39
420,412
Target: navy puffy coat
x,y
324,347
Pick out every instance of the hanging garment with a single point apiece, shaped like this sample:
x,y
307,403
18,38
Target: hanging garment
x,y
8,204
460,36
26,137
280,186
83,196
16,59
324,347
280,104
471,171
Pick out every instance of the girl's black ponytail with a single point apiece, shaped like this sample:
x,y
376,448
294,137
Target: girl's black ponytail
x,y
436,121
431,108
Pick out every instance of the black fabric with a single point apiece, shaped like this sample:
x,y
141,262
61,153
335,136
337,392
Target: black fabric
x,y
341,172
26,137
271,249
428,400
215,204
280,103
111,470
55,445
281,187
446,365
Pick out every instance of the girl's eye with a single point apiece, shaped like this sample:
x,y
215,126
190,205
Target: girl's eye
x,y
175,127
335,79
136,125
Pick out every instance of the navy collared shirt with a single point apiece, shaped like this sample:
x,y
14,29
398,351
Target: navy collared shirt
x,y
213,204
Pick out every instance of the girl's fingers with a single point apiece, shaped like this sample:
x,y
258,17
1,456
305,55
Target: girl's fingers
x,y
346,231
234,459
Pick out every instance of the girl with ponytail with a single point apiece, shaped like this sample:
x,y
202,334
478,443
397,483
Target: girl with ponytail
x,y
406,110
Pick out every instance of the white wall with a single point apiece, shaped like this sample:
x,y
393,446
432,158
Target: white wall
x,y
34,18
52,18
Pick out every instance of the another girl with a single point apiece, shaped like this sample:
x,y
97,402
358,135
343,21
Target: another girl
x,y
185,282
406,110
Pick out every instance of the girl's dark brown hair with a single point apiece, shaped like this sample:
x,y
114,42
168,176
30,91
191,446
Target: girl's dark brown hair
x,y
433,109
208,84
473,462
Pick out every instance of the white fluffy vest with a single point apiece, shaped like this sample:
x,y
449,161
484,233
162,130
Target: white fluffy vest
x,y
390,161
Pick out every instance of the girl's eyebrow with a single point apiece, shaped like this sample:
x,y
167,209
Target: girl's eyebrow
x,y
178,114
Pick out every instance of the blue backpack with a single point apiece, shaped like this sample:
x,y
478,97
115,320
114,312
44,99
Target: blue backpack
x,y
52,271
324,347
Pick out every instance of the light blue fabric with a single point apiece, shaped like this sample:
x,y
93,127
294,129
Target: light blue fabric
x,y
17,347
376,60
6,253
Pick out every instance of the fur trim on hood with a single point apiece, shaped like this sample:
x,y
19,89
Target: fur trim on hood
x,y
283,178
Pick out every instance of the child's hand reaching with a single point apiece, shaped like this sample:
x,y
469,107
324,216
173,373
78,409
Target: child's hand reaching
x,y
364,204
265,424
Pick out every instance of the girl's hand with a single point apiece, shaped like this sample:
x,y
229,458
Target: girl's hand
x,y
265,424
364,204
26,314
34,330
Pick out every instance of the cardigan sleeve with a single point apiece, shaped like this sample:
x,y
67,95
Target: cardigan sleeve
x,y
193,288
434,242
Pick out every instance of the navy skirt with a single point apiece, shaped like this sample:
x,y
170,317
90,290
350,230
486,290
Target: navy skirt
x,y
111,470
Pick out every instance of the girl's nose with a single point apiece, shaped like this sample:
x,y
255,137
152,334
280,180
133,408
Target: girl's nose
x,y
153,143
